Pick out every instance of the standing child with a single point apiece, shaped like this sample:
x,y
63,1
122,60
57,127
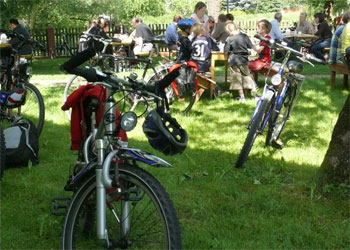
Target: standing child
x,y
202,46
236,47
263,50
184,43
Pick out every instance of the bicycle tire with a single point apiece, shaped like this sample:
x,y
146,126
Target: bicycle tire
x,y
2,153
279,118
254,129
79,229
169,92
33,108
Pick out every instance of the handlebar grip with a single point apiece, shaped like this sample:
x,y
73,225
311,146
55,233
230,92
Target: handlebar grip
x,y
167,80
313,58
78,59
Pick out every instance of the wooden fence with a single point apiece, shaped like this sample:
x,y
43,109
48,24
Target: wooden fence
x,y
52,37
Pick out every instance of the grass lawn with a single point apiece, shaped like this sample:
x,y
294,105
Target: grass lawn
x,y
270,203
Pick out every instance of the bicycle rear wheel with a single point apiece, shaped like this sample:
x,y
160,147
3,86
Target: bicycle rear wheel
x,y
33,108
254,128
141,216
279,117
169,92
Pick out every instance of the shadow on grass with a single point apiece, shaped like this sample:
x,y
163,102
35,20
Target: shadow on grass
x,y
218,206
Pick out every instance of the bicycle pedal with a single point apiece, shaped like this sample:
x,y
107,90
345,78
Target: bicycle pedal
x,y
277,144
59,206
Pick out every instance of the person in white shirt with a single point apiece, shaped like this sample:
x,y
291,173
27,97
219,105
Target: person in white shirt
x,y
199,16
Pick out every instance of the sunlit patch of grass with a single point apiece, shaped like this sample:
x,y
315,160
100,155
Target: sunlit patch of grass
x,y
270,203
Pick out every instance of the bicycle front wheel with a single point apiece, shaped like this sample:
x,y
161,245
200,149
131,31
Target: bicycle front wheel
x,y
279,117
33,108
141,216
254,128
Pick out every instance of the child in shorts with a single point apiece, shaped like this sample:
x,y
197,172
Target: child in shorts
x,y
236,47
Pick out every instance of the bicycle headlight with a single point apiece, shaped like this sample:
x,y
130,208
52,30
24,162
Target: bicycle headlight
x,y
128,121
276,79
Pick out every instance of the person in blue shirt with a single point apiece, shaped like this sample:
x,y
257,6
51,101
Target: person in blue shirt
x,y
171,35
335,55
275,32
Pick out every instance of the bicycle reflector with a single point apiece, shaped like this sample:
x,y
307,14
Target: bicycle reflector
x,y
276,80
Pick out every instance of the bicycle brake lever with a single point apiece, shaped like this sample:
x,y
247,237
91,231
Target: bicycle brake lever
x,y
304,60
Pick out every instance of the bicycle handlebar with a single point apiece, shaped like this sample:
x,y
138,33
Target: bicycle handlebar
x,y
302,56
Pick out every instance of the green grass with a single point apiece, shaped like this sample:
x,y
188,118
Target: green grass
x,y
270,203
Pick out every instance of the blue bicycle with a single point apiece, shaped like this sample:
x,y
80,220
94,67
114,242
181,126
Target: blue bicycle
x,y
274,108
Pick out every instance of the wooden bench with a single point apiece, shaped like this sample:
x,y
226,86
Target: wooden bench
x,y
205,83
340,68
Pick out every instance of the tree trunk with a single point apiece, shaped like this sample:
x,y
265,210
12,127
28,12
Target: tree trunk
x,y
214,7
335,168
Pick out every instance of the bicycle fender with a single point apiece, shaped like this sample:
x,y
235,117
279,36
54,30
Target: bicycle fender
x,y
139,155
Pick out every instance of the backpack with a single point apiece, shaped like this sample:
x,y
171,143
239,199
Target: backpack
x,y
22,144
185,81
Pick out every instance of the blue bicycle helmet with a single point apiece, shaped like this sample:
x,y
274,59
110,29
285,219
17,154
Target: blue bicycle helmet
x,y
164,133
185,23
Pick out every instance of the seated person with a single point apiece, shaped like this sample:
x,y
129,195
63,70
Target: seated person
x,y
210,25
171,35
335,55
100,29
345,44
184,43
263,50
304,26
220,33
229,17
324,36
143,33
202,46
15,41
275,31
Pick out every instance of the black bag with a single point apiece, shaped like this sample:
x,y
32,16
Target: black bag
x,y
22,144
185,81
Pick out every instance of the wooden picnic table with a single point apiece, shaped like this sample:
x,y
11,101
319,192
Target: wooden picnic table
x,y
4,45
303,36
217,56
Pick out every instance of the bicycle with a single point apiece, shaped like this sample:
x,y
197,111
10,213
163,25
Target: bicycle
x,y
111,176
63,49
14,79
103,61
274,107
